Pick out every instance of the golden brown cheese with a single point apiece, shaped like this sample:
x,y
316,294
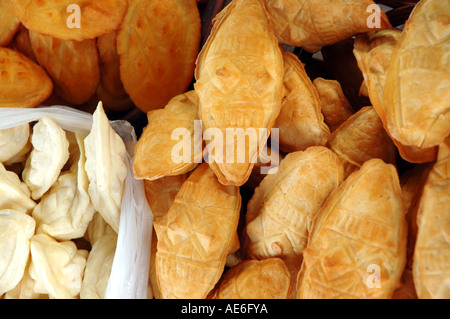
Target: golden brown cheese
x,y
156,152
23,83
240,85
281,211
334,105
110,90
59,18
412,182
72,65
301,122
417,89
9,24
432,251
360,138
357,245
160,195
373,51
312,24
254,279
158,43
201,224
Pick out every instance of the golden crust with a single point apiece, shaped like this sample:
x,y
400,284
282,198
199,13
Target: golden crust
x,y
300,121
72,65
201,224
240,83
360,138
22,44
110,90
432,251
361,225
154,156
266,161
253,279
160,195
9,24
23,83
52,17
280,213
313,24
334,105
412,182
373,51
158,43
416,92
363,89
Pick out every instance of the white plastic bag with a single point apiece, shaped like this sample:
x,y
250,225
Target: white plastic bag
x,y
130,269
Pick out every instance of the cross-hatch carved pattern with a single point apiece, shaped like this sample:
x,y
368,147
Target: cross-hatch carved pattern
x,y
192,249
433,261
53,55
370,232
338,266
188,270
238,76
143,42
198,230
348,279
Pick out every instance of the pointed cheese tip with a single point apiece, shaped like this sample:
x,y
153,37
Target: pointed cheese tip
x,y
100,119
100,105
99,109
232,174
